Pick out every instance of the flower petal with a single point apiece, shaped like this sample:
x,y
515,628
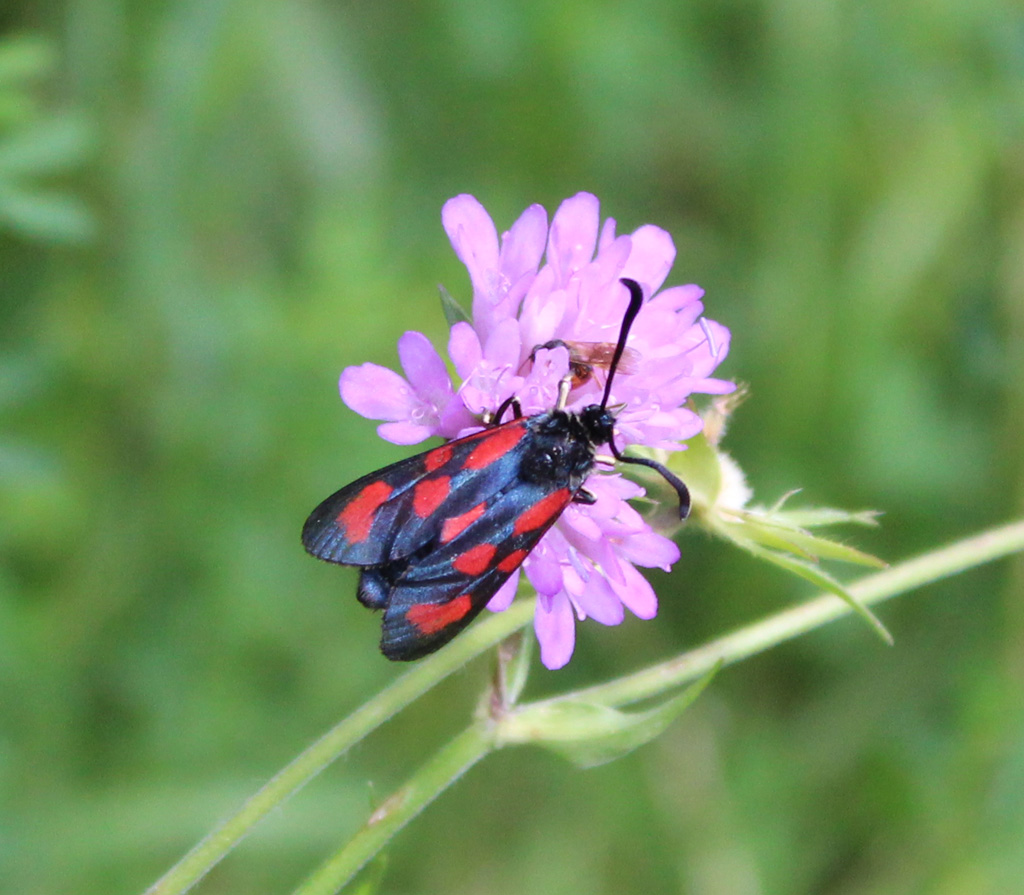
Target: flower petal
x,y
650,549
464,349
573,235
542,566
424,368
636,593
503,347
652,257
403,432
376,392
523,246
593,596
504,595
555,625
473,236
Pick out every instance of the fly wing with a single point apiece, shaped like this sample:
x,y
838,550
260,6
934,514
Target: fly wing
x,y
435,596
396,512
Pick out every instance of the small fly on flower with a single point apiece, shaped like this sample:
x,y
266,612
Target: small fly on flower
x,y
584,356
438,534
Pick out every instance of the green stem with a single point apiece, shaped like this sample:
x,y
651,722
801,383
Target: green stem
x,y
474,744
415,682
930,567
433,778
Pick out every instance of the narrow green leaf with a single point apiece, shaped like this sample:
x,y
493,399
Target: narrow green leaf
x,y
823,548
452,310
817,577
766,536
778,532
589,734
816,517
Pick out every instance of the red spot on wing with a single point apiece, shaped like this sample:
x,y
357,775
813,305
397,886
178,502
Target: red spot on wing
x,y
476,560
542,512
494,445
429,618
437,458
513,561
429,494
357,517
456,525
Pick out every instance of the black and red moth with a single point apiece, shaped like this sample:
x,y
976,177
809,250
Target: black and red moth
x,y
437,534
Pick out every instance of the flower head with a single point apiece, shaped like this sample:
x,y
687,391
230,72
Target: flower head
x,y
585,566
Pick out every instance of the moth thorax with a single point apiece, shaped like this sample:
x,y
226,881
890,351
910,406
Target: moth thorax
x,y
598,423
559,451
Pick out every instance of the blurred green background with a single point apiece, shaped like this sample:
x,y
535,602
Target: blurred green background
x,y
208,208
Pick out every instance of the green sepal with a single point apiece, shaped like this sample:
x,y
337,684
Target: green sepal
x,y
777,535
590,734
452,310
700,467
817,517
810,572
780,530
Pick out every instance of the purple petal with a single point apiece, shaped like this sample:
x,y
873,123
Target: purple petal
x,y
607,236
504,347
455,418
714,386
543,311
573,235
464,349
555,626
712,350
504,595
581,521
405,432
603,299
542,566
650,549
474,238
676,297
376,392
651,258
523,246
636,593
424,368
594,596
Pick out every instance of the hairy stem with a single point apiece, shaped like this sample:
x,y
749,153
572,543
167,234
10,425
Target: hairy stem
x,y
433,778
367,718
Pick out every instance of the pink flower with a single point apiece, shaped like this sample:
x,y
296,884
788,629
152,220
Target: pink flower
x,y
585,566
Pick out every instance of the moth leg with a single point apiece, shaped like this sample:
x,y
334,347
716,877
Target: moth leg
x,y
517,410
564,387
584,497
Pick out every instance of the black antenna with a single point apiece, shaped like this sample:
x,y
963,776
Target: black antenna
x,y
636,300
